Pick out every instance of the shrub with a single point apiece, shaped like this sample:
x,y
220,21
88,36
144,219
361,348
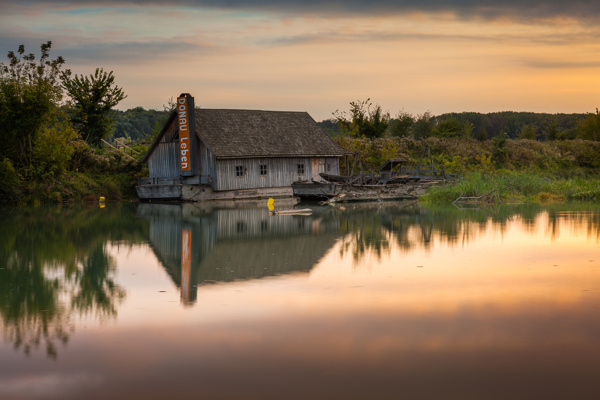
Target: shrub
x,y
9,183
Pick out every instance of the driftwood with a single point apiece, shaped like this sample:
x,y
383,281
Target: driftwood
x,y
476,199
301,211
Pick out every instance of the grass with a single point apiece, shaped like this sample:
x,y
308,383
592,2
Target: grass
x,y
514,187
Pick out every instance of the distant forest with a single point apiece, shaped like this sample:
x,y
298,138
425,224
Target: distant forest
x,y
139,124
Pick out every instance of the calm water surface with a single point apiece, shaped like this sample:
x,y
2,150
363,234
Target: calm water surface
x,y
364,302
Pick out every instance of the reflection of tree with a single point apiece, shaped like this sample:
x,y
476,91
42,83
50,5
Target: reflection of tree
x,y
369,230
53,262
363,233
96,291
29,306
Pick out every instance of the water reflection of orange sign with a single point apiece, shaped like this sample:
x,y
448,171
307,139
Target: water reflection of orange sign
x,y
186,265
184,133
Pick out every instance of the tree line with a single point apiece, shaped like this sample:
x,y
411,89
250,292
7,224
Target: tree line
x,y
364,119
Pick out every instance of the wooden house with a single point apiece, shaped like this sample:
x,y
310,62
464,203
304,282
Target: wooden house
x,y
230,154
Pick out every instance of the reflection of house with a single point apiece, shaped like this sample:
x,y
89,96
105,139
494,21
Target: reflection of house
x,y
233,244
235,154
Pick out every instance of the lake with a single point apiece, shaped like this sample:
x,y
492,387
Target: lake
x,y
223,301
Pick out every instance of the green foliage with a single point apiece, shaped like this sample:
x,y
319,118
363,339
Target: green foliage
x,y
516,187
52,151
480,134
551,129
589,127
401,126
362,120
461,165
9,183
29,97
499,148
512,123
448,128
528,132
423,126
94,97
138,123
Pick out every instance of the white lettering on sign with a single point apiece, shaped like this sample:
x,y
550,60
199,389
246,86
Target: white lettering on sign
x,y
184,135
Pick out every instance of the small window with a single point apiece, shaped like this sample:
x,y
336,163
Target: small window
x,y
239,170
263,169
300,169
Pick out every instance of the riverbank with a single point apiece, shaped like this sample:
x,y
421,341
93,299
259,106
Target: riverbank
x,y
90,174
517,170
514,187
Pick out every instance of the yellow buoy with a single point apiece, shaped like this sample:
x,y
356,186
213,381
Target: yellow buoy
x,y
270,204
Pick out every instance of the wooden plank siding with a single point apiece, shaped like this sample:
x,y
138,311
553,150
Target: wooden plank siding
x,y
207,163
164,162
280,171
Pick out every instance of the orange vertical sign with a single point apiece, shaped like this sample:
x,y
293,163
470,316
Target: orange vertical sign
x,y
184,133
186,265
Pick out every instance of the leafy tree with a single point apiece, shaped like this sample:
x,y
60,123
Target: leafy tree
x,y
94,97
52,151
500,148
528,132
551,129
9,182
449,128
423,126
481,134
467,128
137,123
589,127
363,120
402,124
29,97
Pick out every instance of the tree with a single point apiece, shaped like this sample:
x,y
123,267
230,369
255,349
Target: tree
x,y
528,132
481,134
402,124
448,128
94,97
423,125
362,120
552,131
30,94
589,127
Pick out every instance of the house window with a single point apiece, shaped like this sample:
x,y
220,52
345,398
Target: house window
x,y
263,169
239,170
300,169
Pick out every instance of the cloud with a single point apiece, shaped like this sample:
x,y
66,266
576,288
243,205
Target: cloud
x,y
560,64
487,9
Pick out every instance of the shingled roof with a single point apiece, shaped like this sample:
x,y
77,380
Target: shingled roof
x,y
250,133
254,133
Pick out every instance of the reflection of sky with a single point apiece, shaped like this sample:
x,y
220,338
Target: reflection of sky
x,y
509,314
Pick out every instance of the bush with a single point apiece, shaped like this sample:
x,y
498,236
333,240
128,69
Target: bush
x,y
9,183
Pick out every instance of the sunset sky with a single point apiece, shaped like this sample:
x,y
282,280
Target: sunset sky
x,y
317,56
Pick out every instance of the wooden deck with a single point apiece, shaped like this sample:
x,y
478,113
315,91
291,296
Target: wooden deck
x,y
173,189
